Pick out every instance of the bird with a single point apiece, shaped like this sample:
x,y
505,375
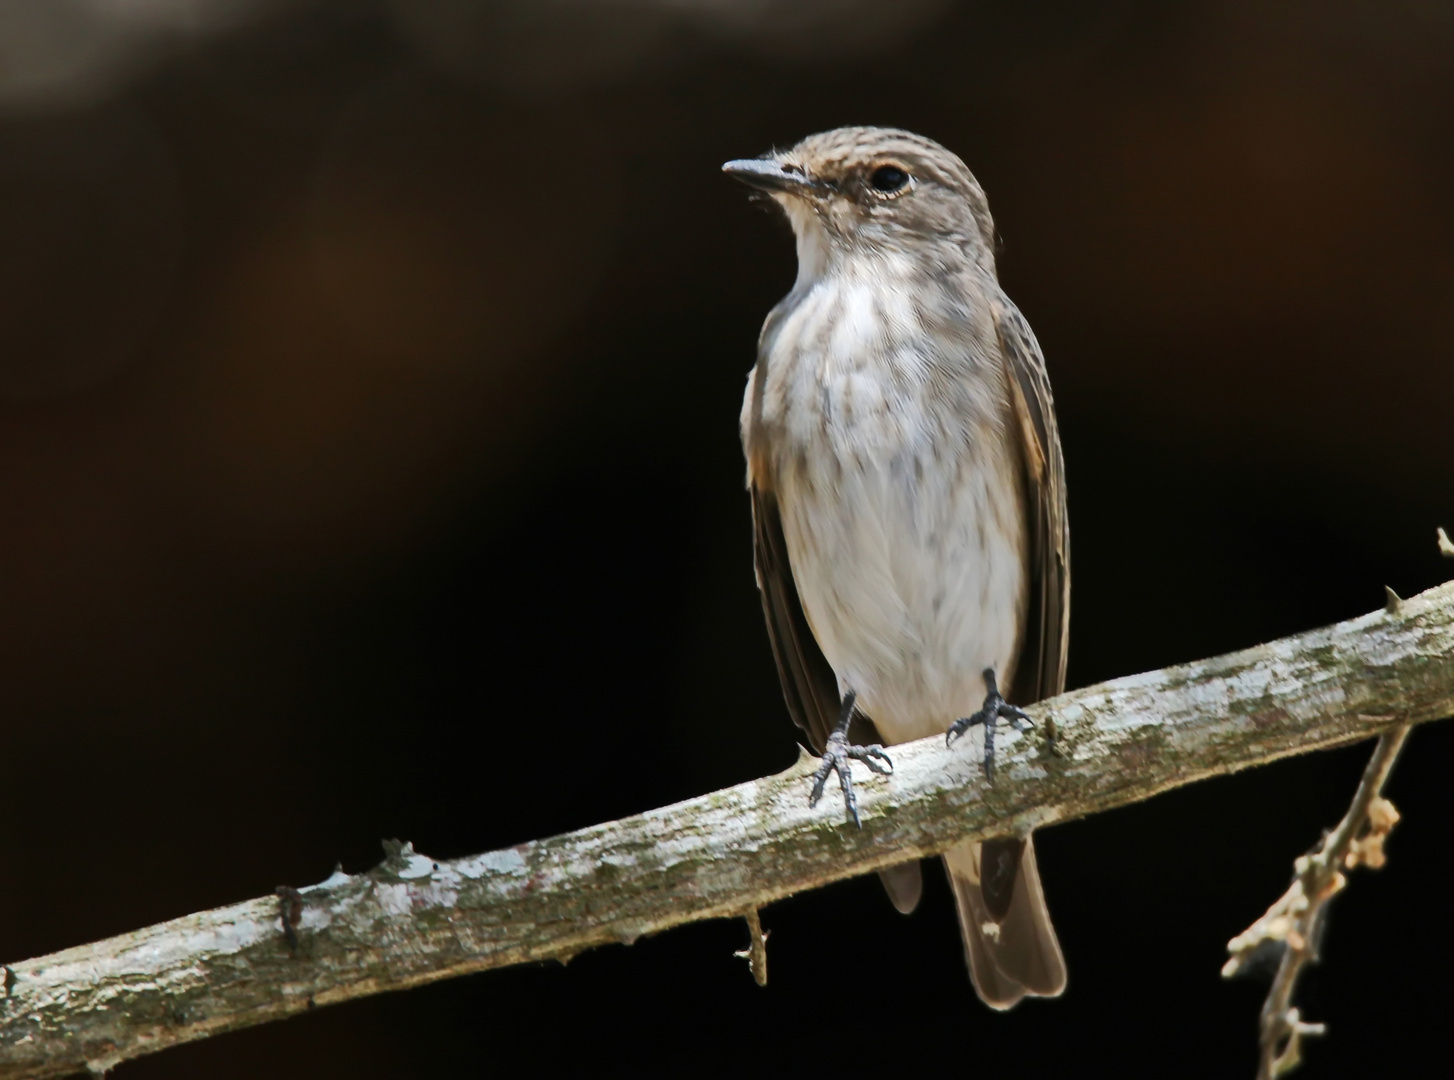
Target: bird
x,y
910,533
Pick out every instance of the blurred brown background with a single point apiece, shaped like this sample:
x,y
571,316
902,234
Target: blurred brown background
x,y
369,376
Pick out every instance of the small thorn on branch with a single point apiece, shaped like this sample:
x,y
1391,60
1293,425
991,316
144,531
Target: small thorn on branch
x,y
756,952
1294,1031
1392,601
1446,548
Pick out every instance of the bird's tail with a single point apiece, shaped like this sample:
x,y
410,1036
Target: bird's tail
x,y
1008,940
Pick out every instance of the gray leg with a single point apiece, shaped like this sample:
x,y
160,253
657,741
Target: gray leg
x,y
838,753
994,710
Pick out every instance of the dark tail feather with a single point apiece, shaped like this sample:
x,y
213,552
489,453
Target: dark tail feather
x,y
1008,940
905,884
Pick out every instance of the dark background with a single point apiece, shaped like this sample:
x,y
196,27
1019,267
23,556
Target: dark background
x,y
369,468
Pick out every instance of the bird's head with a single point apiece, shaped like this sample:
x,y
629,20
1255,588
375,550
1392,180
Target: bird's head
x,y
865,190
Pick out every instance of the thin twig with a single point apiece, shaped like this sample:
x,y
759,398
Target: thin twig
x,y
413,920
756,952
1293,919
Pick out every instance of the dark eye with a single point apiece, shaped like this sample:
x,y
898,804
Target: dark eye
x,y
888,179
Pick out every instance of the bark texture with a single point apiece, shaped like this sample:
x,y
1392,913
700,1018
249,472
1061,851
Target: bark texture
x,y
413,919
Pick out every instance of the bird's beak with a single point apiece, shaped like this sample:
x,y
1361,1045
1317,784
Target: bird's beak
x,y
769,174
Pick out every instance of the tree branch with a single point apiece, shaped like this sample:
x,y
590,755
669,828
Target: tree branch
x,y
413,920
1294,920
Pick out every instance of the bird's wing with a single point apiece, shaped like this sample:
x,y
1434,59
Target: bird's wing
x,y
1041,671
1022,955
809,685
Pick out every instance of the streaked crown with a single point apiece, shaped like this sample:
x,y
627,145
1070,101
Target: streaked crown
x,y
871,186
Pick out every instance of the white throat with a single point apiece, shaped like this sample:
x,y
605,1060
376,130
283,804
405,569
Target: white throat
x,y
813,245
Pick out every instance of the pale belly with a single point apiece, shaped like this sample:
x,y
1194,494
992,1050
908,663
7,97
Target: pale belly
x,y
886,443
912,574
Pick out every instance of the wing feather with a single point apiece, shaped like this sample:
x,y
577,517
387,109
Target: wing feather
x,y
1041,670
809,684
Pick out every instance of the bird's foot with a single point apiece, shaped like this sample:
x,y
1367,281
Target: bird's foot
x,y
836,757
994,710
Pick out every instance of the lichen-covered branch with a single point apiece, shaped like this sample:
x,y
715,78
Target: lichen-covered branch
x,y
413,920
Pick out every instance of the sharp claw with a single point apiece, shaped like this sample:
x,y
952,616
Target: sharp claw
x,y
1015,715
959,727
872,756
874,766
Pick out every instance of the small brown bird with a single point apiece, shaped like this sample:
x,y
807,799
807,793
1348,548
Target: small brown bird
x,y
908,499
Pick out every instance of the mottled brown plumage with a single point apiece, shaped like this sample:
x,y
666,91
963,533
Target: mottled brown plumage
x,y
908,490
